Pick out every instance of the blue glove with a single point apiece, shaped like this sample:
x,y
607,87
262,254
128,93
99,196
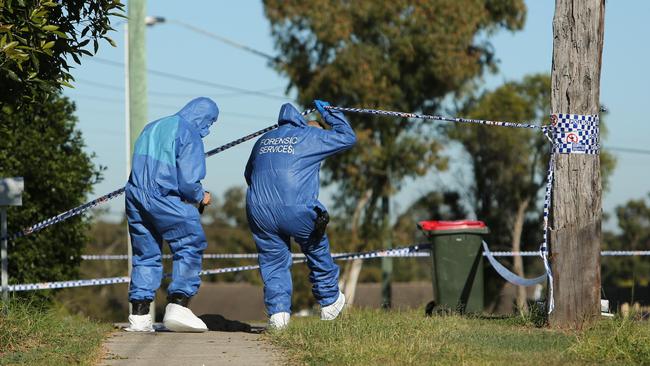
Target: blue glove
x,y
320,105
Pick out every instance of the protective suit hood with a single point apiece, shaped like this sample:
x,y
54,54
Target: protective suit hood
x,y
289,114
201,113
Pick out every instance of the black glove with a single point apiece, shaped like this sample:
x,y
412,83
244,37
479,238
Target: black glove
x,y
320,224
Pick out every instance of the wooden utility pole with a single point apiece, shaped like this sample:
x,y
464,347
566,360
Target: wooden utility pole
x,y
576,211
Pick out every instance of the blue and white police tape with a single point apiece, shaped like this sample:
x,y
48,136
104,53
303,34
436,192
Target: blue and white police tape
x,y
68,284
397,252
412,251
105,198
379,112
97,257
503,253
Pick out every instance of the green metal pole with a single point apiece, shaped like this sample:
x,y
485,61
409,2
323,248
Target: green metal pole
x,y
136,88
137,69
386,263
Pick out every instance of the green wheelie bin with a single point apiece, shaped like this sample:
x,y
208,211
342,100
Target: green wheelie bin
x,y
457,255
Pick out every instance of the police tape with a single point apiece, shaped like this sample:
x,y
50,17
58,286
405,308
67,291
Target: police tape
x,y
379,112
107,197
403,252
96,257
397,252
605,253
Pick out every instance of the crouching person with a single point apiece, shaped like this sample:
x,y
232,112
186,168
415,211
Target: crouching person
x,y
282,202
167,168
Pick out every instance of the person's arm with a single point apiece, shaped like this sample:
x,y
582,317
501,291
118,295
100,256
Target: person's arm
x,y
248,172
190,166
341,136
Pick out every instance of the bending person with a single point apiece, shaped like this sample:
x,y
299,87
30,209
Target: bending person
x,y
167,168
282,202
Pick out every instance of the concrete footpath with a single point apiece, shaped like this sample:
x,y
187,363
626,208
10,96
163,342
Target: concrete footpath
x,y
178,349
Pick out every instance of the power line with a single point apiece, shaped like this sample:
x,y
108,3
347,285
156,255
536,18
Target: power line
x,y
196,81
166,94
628,150
223,39
170,107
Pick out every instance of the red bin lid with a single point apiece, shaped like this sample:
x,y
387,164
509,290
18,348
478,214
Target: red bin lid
x,y
433,225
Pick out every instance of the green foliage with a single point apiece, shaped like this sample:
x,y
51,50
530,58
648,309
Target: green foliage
x,y
38,39
41,144
376,337
634,222
33,335
508,164
400,55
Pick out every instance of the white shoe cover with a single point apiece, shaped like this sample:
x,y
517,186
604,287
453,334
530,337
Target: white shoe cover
x,y
181,319
279,320
330,312
140,323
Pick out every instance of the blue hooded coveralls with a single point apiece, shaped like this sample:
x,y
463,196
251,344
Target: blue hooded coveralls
x,y
282,176
167,167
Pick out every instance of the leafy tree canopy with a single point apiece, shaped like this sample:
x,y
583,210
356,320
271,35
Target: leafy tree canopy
x,y
39,39
634,222
40,143
401,55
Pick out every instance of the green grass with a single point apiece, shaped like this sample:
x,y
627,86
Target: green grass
x,y
375,337
34,335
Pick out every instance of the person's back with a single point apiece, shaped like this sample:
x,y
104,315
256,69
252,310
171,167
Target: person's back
x,y
282,203
285,163
168,144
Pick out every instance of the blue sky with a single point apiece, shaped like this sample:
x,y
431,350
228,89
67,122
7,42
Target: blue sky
x,y
99,88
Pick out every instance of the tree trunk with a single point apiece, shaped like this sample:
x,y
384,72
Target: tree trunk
x,y
578,28
353,279
348,281
518,261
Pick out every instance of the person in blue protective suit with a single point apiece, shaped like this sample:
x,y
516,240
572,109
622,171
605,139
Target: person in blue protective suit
x,y
282,202
167,168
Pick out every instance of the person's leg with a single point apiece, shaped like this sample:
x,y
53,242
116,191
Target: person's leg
x,y
187,243
147,266
274,260
181,228
146,272
324,273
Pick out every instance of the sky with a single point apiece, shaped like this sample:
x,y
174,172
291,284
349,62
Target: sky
x,y
171,48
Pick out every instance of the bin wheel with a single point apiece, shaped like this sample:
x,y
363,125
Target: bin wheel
x,y
428,310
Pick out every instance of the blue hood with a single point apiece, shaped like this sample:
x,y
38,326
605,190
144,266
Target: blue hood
x,y
289,114
201,113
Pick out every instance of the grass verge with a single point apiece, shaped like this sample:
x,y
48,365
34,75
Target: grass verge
x,y
37,335
375,337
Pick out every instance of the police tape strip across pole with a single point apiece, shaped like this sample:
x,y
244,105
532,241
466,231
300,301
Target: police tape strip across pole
x,y
569,134
410,251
